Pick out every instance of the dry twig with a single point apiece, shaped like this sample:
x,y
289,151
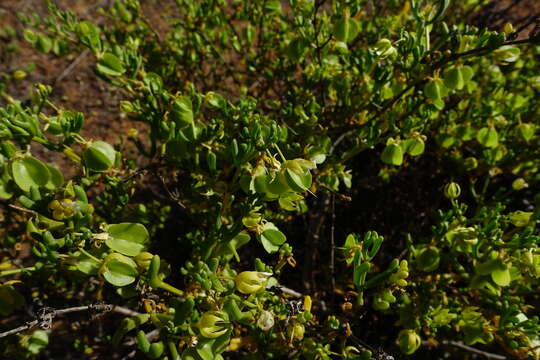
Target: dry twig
x,y
46,315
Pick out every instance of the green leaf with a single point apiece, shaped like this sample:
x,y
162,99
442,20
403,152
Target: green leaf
x,y
120,272
10,299
467,73
44,43
128,324
414,146
392,155
110,64
489,266
360,270
288,201
38,341
29,172
453,79
346,29
271,238
488,137
89,34
154,82
433,90
56,179
182,111
6,189
99,156
501,277
87,265
297,182
204,349
127,238
297,48
278,185
526,131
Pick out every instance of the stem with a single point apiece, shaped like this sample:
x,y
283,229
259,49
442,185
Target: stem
x,y
279,152
16,271
90,255
171,289
52,313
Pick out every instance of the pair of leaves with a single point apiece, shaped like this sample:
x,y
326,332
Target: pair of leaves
x,y
127,238
271,238
29,171
119,270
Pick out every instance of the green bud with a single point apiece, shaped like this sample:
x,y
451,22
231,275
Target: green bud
x,y
452,191
470,163
213,324
384,48
380,304
519,184
250,282
143,259
296,331
19,75
409,341
387,295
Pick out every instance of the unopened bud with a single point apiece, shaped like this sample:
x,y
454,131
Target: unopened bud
x,y
249,282
452,191
409,341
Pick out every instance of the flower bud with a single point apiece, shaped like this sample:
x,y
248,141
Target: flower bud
x,y
387,295
409,341
296,331
213,324
143,259
19,75
470,163
380,304
307,303
249,282
452,191
462,235
519,184
384,48
508,29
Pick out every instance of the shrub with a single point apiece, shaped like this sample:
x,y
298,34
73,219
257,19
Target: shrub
x,y
256,118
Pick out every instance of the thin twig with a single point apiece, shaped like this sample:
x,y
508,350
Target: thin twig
x,y
462,346
333,247
470,349
71,66
291,292
124,311
23,209
46,315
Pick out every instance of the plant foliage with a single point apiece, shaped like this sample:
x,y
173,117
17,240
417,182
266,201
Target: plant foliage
x,y
255,115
